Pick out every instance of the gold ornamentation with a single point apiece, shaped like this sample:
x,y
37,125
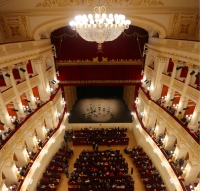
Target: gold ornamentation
x,y
184,29
66,3
15,31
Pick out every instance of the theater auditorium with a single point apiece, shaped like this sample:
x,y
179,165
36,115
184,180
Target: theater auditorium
x,y
105,101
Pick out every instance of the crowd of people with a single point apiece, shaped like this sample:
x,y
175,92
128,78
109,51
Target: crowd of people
x,y
103,170
110,136
58,164
150,176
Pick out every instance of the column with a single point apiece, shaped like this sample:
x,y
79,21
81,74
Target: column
x,y
11,173
21,155
17,102
41,131
183,101
179,153
4,116
170,93
18,106
193,124
156,86
29,93
44,88
190,173
169,141
6,78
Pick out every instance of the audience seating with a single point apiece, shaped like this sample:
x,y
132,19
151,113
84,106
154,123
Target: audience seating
x,y
111,136
150,176
101,170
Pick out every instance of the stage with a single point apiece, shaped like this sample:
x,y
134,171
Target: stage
x,y
100,110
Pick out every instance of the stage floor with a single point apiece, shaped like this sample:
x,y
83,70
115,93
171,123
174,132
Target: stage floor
x,y
100,110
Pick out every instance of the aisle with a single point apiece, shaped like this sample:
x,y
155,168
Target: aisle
x,y
63,186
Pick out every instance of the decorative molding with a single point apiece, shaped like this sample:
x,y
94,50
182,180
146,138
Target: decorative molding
x,y
96,62
15,28
66,3
184,26
3,2
100,82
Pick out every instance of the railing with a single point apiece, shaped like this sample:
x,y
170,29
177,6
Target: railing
x,y
29,116
177,120
170,163
21,181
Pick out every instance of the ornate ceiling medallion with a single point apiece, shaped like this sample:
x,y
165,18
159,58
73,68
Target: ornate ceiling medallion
x,y
66,3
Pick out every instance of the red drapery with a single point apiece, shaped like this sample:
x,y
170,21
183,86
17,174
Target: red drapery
x,y
74,48
198,79
184,72
99,72
2,81
16,74
170,65
29,67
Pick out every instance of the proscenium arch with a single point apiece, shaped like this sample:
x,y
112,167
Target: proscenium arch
x,y
141,22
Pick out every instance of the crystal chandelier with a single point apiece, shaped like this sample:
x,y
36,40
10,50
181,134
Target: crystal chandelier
x,y
100,27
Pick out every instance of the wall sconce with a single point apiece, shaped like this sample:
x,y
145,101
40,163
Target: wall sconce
x,y
173,99
22,69
186,108
58,114
15,110
53,81
68,114
63,101
7,75
132,113
193,72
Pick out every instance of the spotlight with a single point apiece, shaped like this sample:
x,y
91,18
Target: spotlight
x,y
186,108
147,81
173,99
52,82
7,75
15,110
2,123
22,69
27,100
179,67
191,73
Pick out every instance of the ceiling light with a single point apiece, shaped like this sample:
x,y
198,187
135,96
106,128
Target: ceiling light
x,y
100,27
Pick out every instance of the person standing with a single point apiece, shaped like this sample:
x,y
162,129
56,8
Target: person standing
x,y
96,147
93,146
131,170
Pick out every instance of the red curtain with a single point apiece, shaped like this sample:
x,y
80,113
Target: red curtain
x,y
16,74
99,72
170,65
74,48
198,79
184,72
29,67
2,81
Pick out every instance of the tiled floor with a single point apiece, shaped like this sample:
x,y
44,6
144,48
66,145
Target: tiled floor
x,y
63,186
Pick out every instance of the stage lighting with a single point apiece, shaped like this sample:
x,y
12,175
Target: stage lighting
x,y
15,110
191,73
186,108
147,81
52,82
173,99
2,123
7,75
22,69
27,100
179,67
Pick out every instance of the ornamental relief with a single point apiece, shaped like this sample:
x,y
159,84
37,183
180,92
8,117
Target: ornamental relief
x,y
66,3
184,26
